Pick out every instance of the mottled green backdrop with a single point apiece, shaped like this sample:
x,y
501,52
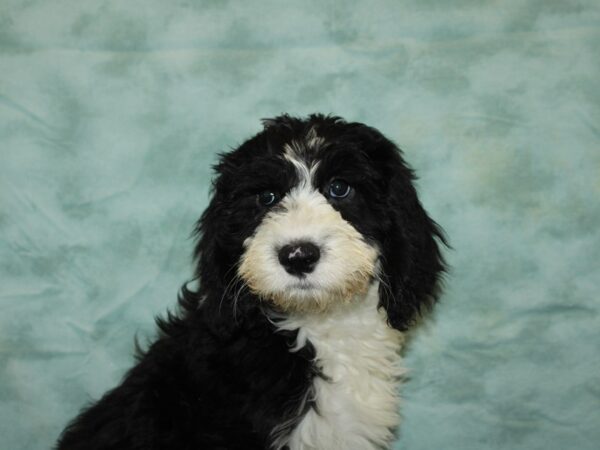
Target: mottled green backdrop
x,y
111,113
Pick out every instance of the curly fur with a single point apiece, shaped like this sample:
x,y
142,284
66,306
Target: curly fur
x,y
257,358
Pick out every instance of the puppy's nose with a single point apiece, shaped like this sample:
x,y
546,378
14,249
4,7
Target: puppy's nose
x,y
299,258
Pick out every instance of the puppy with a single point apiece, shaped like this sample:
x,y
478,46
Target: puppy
x,y
314,255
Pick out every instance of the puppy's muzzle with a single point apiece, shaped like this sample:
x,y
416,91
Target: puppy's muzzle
x,y
299,258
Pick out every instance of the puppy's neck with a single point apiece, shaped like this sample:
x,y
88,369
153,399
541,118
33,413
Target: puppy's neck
x,y
357,353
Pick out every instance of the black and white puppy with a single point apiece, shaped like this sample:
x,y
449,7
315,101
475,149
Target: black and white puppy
x,y
314,255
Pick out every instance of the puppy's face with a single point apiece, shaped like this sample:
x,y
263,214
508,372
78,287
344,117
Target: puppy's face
x,y
308,213
305,255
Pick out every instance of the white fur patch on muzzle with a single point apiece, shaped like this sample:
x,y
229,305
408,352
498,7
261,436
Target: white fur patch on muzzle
x,y
346,266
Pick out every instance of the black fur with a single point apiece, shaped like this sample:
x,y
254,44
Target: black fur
x,y
219,376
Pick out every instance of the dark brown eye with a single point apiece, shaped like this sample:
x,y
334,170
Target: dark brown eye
x,y
339,189
267,198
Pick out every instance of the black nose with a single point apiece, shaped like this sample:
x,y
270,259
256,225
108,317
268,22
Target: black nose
x,y
299,258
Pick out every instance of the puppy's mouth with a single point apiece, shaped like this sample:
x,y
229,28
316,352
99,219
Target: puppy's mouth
x,y
300,287
305,295
303,286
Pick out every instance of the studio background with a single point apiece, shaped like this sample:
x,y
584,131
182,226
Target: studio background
x,y
112,112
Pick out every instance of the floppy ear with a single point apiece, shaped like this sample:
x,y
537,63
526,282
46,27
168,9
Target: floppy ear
x,y
411,262
208,267
208,274
207,252
217,231
211,255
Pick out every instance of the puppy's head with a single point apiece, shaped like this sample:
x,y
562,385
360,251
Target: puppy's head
x,y
307,214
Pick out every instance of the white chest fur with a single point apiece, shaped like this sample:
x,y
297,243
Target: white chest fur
x,y
357,404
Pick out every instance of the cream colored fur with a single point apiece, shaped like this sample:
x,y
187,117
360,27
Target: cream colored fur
x,y
357,404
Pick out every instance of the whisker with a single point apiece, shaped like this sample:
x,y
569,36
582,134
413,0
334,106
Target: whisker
x,y
230,285
236,296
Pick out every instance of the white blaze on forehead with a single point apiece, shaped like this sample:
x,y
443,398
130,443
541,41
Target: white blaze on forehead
x,y
294,152
305,172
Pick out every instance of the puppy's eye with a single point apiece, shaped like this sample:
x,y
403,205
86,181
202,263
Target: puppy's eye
x,y
339,189
267,198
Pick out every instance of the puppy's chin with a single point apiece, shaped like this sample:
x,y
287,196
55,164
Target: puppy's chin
x,y
304,296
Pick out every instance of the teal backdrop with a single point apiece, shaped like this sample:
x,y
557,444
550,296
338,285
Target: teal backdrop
x,y
112,112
